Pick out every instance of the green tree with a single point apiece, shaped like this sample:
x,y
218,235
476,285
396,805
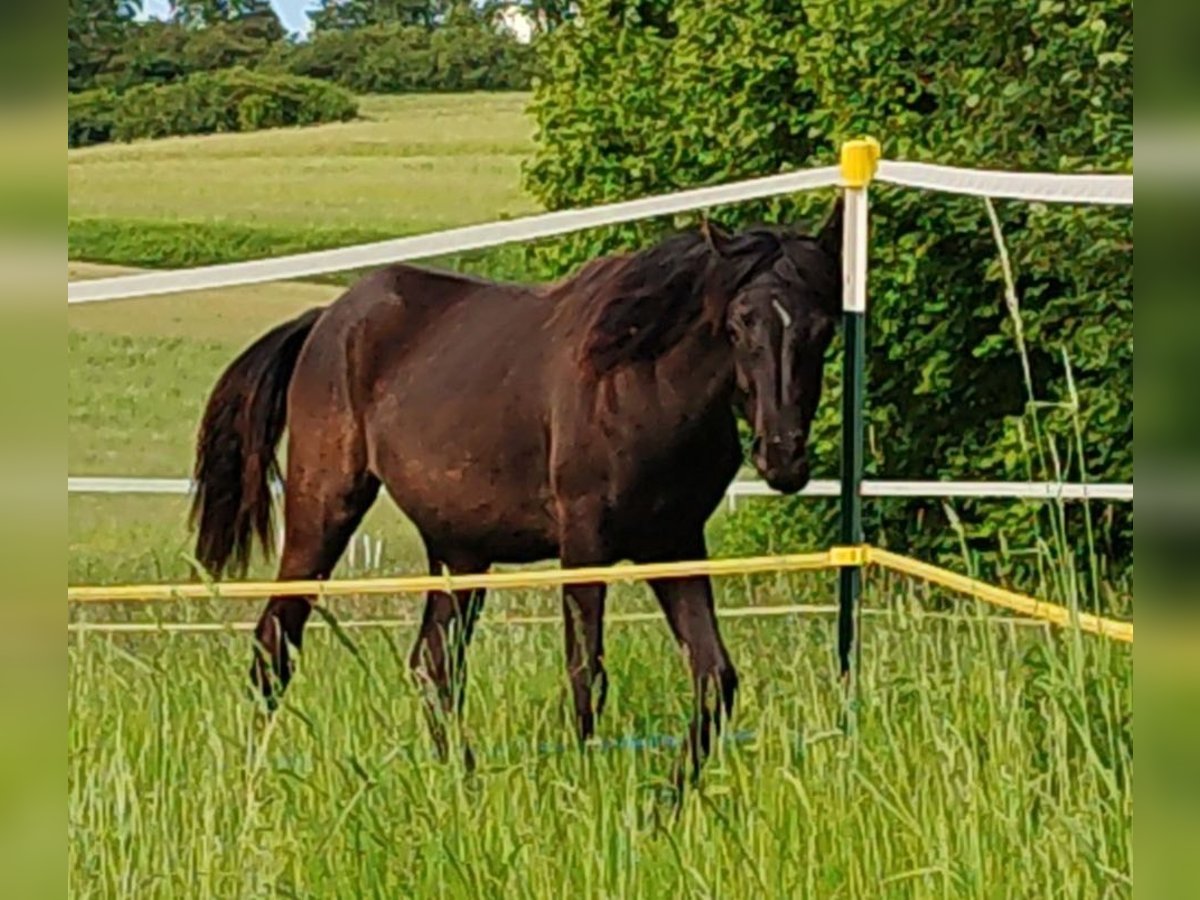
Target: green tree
x,y
399,58
335,15
647,96
199,13
546,15
151,52
95,29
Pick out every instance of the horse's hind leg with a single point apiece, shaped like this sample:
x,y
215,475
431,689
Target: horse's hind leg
x,y
439,657
322,508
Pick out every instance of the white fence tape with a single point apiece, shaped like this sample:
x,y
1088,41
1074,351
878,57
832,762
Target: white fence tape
x,y
1110,190
1050,188
1022,490
454,240
1045,187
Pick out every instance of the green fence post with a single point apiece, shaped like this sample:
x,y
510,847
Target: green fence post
x,y
859,159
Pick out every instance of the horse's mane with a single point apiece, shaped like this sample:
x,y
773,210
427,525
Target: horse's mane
x,y
637,307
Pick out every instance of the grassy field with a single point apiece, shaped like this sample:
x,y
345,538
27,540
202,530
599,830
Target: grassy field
x,y
413,163
987,760
138,371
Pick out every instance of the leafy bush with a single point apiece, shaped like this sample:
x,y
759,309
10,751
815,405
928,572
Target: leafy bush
x,y
231,100
640,97
169,244
90,117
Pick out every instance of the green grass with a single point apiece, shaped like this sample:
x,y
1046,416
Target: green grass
x,y
140,371
986,761
416,164
134,402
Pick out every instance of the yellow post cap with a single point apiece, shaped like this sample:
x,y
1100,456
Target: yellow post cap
x,y
860,158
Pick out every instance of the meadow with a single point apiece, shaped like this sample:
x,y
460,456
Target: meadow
x,y
985,758
393,170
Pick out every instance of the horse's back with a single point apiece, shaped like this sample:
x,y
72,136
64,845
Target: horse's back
x,y
445,380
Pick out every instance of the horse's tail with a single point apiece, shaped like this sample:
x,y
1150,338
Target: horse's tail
x,y
235,449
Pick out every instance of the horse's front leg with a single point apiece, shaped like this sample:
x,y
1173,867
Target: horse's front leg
x,y
688,605
583,614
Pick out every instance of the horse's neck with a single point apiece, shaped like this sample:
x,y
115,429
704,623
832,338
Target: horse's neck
x,y
697,374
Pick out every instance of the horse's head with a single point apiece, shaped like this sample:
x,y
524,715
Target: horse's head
x,y
780,322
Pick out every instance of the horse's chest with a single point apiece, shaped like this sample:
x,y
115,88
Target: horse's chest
x,y
686,480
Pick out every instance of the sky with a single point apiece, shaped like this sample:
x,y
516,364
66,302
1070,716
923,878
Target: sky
x,y
290,12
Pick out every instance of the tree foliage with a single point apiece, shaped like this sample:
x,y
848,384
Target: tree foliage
x,y
368,47
201,13
546,15
642,97
342,15
459,56
95,29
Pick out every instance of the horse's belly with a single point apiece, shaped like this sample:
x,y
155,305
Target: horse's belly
x,y
501,529
498,508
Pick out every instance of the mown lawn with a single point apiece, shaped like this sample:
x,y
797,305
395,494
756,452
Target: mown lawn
x,y
414,163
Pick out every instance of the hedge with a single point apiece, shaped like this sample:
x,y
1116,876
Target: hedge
x,y
229,100
636,98
180,244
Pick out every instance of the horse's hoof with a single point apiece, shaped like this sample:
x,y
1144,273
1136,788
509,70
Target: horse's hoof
x,y
262,689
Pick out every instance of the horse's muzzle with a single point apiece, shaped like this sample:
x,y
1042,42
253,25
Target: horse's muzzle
x,y
782,462
788,480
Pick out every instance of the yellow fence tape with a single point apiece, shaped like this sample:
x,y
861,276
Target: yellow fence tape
x,y
419,584
835,557
1038,609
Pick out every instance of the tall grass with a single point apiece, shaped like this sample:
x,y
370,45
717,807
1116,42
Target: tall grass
x,y
1062,542
980,766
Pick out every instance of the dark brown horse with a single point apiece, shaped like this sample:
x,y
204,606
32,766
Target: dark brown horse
x,y
592,420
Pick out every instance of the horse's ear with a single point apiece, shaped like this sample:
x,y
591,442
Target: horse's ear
x,y
786,269
830,238
715,236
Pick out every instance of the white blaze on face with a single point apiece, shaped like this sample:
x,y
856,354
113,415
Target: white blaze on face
x,y
784,368
783,314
